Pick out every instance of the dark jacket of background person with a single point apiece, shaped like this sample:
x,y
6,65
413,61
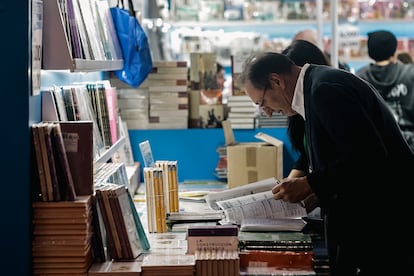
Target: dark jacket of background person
x,y
393,80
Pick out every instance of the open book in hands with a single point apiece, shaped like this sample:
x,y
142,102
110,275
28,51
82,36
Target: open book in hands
x,y
247,189
259,205
254,200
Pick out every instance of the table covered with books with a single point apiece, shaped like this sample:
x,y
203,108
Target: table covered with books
x,y
220,231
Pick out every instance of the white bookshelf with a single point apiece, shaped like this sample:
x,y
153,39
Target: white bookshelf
x,y
57,52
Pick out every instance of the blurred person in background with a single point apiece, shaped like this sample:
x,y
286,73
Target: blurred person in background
x,y
220,76
405,57
311,36
394,80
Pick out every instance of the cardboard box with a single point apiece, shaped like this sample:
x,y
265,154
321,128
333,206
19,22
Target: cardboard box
x,y
252,161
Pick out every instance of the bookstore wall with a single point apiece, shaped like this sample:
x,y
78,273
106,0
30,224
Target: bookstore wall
x,y
220,26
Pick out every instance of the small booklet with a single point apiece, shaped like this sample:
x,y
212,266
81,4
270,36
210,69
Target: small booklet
x,y
272,224
146,153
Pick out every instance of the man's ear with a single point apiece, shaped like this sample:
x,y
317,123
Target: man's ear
x,y
277,80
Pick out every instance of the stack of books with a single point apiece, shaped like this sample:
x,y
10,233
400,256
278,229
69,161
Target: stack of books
x,y
62,234
178,265
290,252
168,243
155,199
242,112
275,241
221,167
168,96
133,104
276,120
161,190
217,262
170,182
215,249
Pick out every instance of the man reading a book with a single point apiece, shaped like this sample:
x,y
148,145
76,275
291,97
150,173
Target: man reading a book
x,y
359,160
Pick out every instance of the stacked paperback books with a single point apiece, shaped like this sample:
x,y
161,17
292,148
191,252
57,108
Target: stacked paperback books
x,y
168,96
161,184
275,241
217,262
276,120
215,249
242,112
178,265
160,102
276,253
62,234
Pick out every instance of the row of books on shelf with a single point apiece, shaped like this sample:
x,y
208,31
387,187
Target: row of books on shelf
x,y
123,236
63,163
90,30
92,101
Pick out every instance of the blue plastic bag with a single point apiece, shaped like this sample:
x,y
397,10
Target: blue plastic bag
x,y
134,44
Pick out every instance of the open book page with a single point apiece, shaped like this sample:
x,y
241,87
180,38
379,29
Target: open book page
x,y
251,188
259,205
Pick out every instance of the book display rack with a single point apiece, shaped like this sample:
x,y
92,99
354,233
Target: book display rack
x,y
60,46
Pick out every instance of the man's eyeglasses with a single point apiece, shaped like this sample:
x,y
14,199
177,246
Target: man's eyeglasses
x,y
261,103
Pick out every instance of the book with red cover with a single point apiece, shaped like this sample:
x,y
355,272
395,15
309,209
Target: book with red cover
x,y
276,259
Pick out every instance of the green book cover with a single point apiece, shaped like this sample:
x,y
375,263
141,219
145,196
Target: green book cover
x,y
141,231
274,241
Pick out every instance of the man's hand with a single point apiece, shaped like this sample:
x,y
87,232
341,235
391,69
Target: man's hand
x,y
292,189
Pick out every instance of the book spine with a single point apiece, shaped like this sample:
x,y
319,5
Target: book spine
x,y
39,162
113,196
67,187
45,162
145,245
52,162
149,198
113,229
107,226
